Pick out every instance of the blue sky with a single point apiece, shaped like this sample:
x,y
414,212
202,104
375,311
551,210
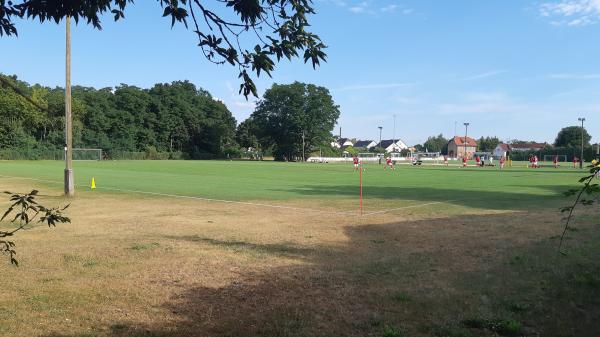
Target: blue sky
x,y
515,69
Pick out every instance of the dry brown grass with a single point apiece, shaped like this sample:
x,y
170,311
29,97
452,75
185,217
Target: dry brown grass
x,y
148,266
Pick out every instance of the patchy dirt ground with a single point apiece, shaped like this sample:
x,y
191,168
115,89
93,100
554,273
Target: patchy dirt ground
x,y
149,266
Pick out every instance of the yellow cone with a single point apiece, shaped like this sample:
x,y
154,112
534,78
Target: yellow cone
x,y
93,183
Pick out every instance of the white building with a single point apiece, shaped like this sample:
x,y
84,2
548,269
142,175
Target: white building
x,y
501,150
390,145
366,144
342,143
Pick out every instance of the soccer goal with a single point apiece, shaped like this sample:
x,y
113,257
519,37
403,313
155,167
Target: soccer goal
x,y
560,158
87,154
368,156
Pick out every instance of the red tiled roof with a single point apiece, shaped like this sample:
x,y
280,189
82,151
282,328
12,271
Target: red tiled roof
x,y
504,147
460,141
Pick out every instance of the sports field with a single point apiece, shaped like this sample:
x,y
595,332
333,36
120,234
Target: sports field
x,y
325,187
219,248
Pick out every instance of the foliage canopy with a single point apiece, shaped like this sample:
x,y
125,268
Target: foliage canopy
x,y
289,115
570,136
175,117
260,32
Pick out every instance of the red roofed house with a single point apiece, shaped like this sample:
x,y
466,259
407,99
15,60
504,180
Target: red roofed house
x,y
501,150
458,145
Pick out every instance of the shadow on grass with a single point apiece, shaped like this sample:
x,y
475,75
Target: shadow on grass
x,y
418,278
283,249
483,199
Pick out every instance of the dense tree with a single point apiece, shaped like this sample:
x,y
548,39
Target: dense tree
x,y
287,113
571,137
245,134
174,117
436,144
487,144
278,28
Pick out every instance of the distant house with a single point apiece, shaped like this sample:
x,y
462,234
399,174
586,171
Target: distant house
x,y
390,145
342,143
457,147
502,150
365,144
528,147
345,142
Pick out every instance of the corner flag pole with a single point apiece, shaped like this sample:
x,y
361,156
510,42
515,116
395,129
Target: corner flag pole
x,y
361,188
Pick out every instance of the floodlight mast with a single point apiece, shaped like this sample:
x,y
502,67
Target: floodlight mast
x,y
69,183
581,119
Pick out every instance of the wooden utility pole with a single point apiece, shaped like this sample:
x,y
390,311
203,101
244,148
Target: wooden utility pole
x,y
582,130
69,182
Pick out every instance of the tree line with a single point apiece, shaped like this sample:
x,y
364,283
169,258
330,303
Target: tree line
x,y
170,120
175,118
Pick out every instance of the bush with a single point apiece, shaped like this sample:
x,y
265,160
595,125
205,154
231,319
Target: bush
x,y
232,152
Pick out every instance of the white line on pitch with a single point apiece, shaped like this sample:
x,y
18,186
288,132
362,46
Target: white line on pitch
x,y
406,207
196,198
240,202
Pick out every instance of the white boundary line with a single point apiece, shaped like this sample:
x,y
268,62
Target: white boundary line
x,y
195,198
239,202
406,207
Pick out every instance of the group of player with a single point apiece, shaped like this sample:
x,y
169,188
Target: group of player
x,y
534,161
388,163
480,162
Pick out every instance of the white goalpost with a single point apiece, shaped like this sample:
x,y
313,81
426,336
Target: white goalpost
x,y
368,157
87,154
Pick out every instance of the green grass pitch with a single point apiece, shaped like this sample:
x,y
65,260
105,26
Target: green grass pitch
x,y
328,185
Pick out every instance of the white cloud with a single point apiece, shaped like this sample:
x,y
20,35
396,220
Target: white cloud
x,y
362,7
574,76
371,7
571,12
375,86
484,75
394,8
389,8
235,99
482,103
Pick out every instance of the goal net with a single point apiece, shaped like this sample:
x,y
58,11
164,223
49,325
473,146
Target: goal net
x,y
561,158
87,154
368,157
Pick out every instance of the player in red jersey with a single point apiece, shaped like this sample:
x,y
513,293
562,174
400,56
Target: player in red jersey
x,y
356,162
477,160
464,161
575,161
555,161
502,161
535,161
389,163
